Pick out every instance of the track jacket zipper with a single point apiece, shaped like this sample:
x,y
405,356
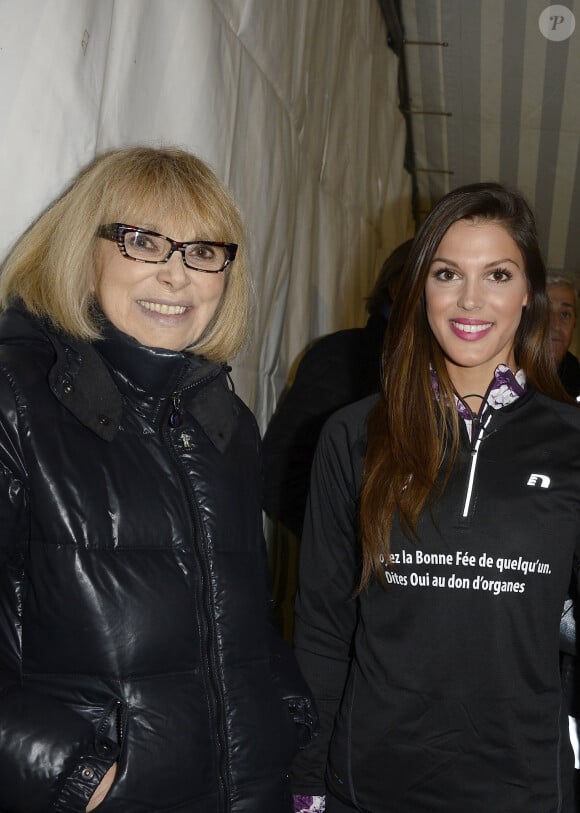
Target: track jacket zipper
x,y
475,445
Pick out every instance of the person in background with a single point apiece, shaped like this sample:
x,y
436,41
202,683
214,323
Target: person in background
x,y
441,534
139,668
562,296
335,370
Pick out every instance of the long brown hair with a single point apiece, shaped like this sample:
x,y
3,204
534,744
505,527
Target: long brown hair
x,y
413,436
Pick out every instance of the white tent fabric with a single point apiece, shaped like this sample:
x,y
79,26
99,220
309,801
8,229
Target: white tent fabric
x,y
493,87
292,102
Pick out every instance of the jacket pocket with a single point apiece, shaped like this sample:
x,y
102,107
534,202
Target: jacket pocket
x,y
94,760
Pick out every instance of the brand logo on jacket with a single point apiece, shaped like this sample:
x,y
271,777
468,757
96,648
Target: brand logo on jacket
x,y
541,480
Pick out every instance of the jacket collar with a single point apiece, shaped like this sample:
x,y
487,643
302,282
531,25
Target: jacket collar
x,y
149,376
151,370
92,379
504,388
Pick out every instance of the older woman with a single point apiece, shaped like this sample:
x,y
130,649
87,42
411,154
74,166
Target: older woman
x,y
138,667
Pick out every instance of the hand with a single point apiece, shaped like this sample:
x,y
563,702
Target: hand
x,y
102,788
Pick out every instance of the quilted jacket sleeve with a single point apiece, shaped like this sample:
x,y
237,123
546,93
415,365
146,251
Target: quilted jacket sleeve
x,y
50,757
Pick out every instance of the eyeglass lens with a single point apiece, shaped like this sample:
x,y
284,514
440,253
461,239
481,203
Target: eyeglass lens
x,y
141,245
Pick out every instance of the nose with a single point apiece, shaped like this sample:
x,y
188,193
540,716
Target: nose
x,y
174,273
469,297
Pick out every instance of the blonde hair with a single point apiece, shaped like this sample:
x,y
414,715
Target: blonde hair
x,y
53,267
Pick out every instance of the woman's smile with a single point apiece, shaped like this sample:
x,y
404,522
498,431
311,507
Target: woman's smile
x,y
163,308
470,330
475,293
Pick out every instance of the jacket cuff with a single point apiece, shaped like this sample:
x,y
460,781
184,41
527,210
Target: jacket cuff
x,y
305,719
81,783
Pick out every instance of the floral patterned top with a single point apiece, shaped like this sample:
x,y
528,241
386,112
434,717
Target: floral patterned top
x,y
309,804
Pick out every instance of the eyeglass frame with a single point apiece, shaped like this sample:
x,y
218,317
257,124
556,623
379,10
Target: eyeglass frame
x,y
116,233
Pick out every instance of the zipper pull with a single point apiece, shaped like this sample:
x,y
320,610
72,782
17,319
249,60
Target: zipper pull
x,y
175,418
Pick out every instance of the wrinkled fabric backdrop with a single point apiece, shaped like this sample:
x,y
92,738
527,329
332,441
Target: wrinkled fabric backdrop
x,y
292,102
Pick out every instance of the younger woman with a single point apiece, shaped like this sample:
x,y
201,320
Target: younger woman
x,y
442,532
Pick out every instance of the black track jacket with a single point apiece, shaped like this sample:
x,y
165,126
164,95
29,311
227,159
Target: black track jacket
x,y
443,682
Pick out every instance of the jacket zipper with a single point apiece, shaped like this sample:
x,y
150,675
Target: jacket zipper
x,y
473,466
113,721
173,419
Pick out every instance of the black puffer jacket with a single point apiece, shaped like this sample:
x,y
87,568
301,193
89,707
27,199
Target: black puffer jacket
x,y
134,610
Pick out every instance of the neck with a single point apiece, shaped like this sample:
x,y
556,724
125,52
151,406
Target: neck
x,y
473,401
471,383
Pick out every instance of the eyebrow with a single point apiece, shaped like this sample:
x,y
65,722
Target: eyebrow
x,y
152,227
570,305
149,227
487,265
